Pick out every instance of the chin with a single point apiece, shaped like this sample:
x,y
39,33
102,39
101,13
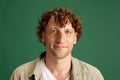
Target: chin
x,y
60,55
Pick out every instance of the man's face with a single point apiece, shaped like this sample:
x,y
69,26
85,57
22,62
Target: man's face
x,y
59,41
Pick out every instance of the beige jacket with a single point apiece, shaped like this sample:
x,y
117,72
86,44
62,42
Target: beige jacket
x,y
80,71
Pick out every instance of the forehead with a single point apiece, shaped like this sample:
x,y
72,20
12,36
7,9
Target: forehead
x,y
53,23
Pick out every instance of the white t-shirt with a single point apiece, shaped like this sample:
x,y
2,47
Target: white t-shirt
x,y
47,75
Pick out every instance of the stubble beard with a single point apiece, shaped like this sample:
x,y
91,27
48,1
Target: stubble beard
x,y
60,54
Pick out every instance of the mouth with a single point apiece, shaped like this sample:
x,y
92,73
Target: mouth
x,y
60,46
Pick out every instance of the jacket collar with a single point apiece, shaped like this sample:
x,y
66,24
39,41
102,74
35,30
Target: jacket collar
x,y
78,70
37,74
76,73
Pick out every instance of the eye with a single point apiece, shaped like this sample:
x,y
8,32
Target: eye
x,y
68,32
53,31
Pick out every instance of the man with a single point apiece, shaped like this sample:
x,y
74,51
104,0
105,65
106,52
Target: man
x,y
59,29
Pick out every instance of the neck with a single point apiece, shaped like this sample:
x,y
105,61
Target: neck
x,y
59,66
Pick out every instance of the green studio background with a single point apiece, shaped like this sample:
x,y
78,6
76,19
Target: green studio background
x,y
99,45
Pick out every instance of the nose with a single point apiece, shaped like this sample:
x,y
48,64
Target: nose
x,y
60,37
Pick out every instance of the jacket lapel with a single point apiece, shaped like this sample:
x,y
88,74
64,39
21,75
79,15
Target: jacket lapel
x,y
37,74
76,73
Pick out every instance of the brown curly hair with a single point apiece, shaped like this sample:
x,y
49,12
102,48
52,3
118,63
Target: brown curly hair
x,y
62,16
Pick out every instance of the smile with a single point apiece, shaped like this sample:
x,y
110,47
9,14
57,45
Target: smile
x,y
60,46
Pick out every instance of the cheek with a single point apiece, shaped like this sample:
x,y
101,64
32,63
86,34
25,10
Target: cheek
x,y
75,40
72,39
49,39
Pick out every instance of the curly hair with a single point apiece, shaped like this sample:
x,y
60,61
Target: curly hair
x,y
62,16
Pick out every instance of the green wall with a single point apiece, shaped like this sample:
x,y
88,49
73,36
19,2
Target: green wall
x,y
99,45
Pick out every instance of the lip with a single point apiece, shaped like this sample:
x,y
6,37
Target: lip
x,y
59,46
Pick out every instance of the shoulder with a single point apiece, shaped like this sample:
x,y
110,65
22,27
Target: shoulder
x,y
87,69
84,66
26,66
23,70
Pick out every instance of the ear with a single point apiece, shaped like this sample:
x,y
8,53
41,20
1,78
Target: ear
x,y
75,40
43,37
